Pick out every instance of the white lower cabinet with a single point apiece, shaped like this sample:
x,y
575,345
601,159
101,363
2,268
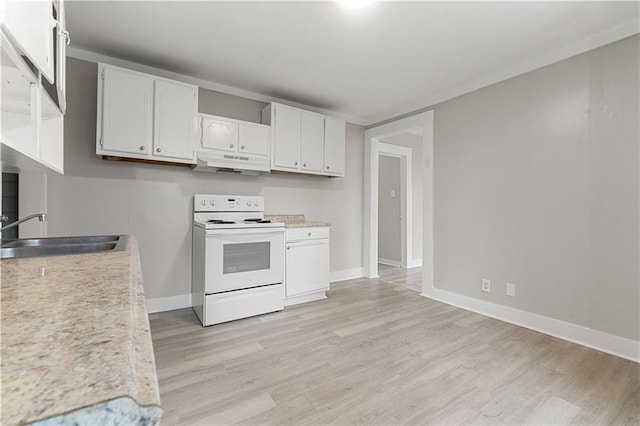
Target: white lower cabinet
x,y
306,264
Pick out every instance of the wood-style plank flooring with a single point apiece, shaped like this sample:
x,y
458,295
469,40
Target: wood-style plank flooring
x,y
409,278
379,353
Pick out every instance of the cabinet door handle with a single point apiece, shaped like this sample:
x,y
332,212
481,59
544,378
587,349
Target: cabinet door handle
x,y
309,234
327,167
242,147
142,148
158,149
288,247
295,164
304,165
231,146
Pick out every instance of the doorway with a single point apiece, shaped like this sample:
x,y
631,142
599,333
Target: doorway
x,y
421,124
395,205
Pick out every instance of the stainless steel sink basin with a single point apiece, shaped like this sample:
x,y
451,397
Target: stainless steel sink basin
x,y
57,246
57,241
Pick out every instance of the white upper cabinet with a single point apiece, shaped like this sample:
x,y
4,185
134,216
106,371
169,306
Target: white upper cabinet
x,y
30,26
126,111
253,138
219,134
62,39
175,115
311,142
304,141
285,144
31,120
334,146
145,117
230,135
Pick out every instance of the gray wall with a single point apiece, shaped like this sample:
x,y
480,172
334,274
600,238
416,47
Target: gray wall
x,y
154,203
537,184
389,209
415,143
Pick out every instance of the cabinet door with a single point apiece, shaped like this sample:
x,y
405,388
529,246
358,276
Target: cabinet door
x,y
253,139
307,267
127,106
221,135
61,57
311,142
175,117
286,143
30,25
334,146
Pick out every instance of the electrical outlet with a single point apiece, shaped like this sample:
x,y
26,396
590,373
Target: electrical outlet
x,y
486,285
511,289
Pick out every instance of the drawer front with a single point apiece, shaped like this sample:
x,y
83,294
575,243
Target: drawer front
x,y
310,233
238,304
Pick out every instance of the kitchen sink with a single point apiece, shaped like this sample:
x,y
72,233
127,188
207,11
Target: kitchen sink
x,y
58,246
56,241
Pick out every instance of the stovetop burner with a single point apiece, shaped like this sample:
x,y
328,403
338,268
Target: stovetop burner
x,y
220,222
257,220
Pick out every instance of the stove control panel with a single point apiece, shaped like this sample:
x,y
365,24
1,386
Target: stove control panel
x,y
227,203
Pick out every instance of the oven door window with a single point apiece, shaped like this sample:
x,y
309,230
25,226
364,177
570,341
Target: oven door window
x,y
239,258
245,257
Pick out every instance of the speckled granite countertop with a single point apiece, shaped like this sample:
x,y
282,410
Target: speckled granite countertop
x,y
76,344
295,220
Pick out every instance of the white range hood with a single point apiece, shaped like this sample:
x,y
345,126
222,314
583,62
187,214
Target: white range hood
x,y
243,164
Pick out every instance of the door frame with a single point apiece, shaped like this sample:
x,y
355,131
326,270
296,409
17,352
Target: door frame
x,y
404,154
422,122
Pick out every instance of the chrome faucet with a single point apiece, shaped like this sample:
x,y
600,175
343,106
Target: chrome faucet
x,y
41,216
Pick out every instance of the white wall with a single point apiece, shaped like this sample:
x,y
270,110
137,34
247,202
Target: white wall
x,y
389,211
154,203
537,184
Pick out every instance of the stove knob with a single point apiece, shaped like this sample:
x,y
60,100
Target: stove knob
x,y
203,202
257,203
212,202
248,203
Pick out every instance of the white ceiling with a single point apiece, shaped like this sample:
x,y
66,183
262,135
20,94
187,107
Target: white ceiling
x,y
365,65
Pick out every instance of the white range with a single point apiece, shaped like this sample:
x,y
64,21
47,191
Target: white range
x,y
238,259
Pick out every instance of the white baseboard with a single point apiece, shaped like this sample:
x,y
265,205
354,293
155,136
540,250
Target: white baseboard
x,y
605,342
346,274
389,262
161,304
319,295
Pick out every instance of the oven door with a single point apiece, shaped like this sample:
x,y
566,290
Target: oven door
x,y
243,258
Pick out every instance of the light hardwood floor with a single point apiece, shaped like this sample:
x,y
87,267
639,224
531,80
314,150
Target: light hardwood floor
x,y
409,278
377,353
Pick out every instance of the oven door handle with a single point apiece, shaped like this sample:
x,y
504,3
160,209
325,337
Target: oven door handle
x,y
247,231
